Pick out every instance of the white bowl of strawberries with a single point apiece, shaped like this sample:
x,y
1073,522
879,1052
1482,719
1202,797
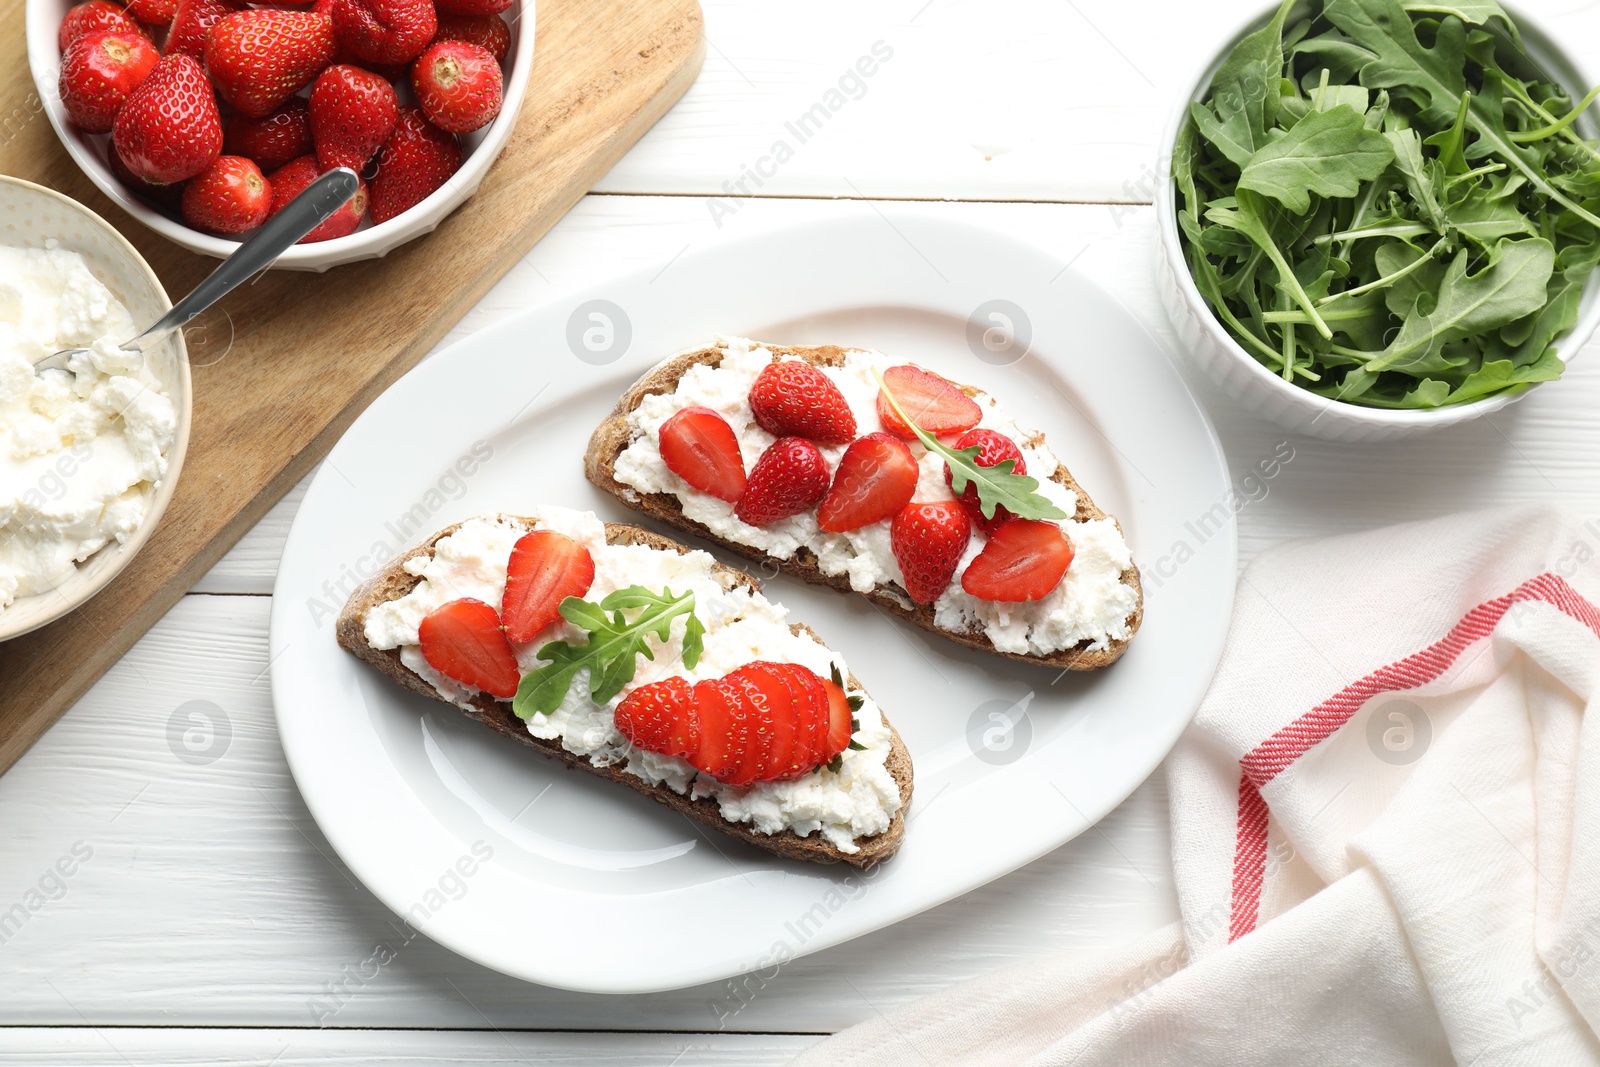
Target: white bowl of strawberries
x,y
201,118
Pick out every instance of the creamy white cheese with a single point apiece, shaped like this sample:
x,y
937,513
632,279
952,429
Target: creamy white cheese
x,y
81,450
857,800
1091,604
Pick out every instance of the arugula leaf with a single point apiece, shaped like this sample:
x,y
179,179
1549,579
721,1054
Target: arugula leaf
x,y
1384,28
1244,92
997,486
1328,152
1245,214
611,653
1513,285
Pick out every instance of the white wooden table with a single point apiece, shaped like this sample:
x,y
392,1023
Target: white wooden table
x,y
211,917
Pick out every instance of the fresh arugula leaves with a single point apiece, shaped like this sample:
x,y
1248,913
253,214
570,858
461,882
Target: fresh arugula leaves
x,y
997,486
614,646
1386,203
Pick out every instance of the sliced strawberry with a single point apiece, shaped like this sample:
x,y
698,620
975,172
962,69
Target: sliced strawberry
x,y
812,714
936,405
1024,560
840,722
544,569
700,447
993,448
928,541
775,696
788,478
724,729
463,640
660,717
791,398
877,476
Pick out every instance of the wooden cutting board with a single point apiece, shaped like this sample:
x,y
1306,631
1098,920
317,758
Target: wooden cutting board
x,y
310,351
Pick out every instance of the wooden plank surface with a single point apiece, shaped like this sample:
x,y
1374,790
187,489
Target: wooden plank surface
x,y
309,352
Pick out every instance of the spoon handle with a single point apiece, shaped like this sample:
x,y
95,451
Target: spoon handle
x,y
303,214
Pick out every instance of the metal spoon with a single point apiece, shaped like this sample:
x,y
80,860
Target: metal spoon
x,y
303,214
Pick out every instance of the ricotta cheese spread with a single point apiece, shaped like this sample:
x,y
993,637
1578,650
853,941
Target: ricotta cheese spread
x,y
1091,604
82,449
857,800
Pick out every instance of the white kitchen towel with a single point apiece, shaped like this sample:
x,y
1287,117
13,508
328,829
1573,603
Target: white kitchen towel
x,y
1386,830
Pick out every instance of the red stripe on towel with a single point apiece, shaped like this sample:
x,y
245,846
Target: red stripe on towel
x,y
1268,759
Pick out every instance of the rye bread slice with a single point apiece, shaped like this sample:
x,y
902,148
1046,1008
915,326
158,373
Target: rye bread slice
x,y
394,582
613,436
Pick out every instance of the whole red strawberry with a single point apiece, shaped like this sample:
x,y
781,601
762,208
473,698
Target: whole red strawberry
x,y
153,12
384,31
993,447
791,397
471,7
789,477
192,20
416,159
928,541
352,113
488,32
290,180
102,15
100,71
230,196
260,58
168,195
169,129
458,85
271,140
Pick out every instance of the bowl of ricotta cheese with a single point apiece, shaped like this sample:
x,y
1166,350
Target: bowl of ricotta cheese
x,y
90,455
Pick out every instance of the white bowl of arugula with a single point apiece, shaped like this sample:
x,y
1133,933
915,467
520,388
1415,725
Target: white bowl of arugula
x,y
1383,220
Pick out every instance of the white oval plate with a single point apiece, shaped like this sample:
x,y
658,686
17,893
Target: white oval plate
x,y
571,881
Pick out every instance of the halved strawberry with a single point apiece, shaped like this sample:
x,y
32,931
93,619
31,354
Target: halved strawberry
x,y
936,405
778,728
928,540
1024,560
788,478
877,476
993,448
791,398
700,447
840,722
462,640
660,717
544,569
